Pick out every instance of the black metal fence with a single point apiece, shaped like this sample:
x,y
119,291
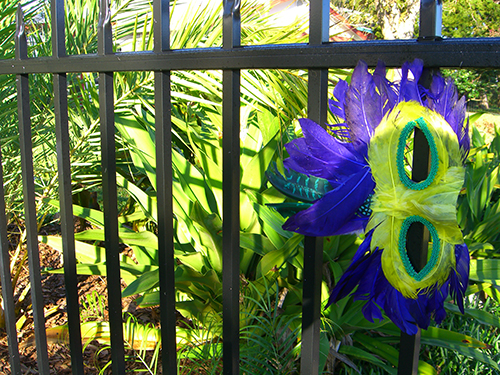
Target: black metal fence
x,y
317,56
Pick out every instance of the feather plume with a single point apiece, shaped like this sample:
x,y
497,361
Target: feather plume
x,y
408,87
387,90
321,155
363,108
297,185
442,97
337,106
459,279
335,209
361,260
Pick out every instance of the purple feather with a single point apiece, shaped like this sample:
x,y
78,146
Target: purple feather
x,y
335,208
321,155
361,260
337,106
442,97
396,310
459,280
388,95
408,88
363,106
354,225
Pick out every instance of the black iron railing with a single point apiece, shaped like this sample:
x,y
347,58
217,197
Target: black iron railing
x,y
317,56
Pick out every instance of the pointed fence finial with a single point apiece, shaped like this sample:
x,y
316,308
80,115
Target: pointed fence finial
x,y
20,37
231,29
105,33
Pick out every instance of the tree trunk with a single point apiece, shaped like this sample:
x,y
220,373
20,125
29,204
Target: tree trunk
x,y
397,18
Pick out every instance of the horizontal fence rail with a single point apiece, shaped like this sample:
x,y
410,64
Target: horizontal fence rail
x,y
446,53
317,57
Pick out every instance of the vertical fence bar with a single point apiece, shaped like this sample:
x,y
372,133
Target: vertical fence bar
x,y
108,162
418,235
24,113
231,197
6,280
313,246
65,190
430,18
163,125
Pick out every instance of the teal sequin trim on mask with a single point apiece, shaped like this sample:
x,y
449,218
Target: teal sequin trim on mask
x,y
436,245
421,124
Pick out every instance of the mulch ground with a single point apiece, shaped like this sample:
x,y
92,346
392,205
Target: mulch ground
x,y
96,356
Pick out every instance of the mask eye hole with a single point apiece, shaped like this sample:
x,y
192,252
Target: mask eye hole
x,y
433,254
408,154
405,155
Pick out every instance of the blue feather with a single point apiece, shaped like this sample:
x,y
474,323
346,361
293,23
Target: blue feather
x,y
418,310
371,311
337,106
409,89
366,288
396,310
354,273
335,209
363,105
321,155
459,280
387,90
435,302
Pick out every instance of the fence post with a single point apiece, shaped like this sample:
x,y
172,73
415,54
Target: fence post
x,y
231,34
65,189
319,29
418,235
24,113
163,136
109,190
7,290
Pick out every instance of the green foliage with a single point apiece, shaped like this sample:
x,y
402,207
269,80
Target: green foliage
x,y
482,20
479,206
452,361
270,341
271,259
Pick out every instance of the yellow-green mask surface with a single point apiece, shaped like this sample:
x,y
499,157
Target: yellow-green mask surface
x,y
398,201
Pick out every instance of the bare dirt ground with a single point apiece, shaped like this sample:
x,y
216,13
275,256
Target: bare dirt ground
x,y
96,355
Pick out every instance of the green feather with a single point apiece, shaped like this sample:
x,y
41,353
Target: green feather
x,y
297,185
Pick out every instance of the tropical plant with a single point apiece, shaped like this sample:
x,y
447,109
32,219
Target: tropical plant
x,y
197,170
272,259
